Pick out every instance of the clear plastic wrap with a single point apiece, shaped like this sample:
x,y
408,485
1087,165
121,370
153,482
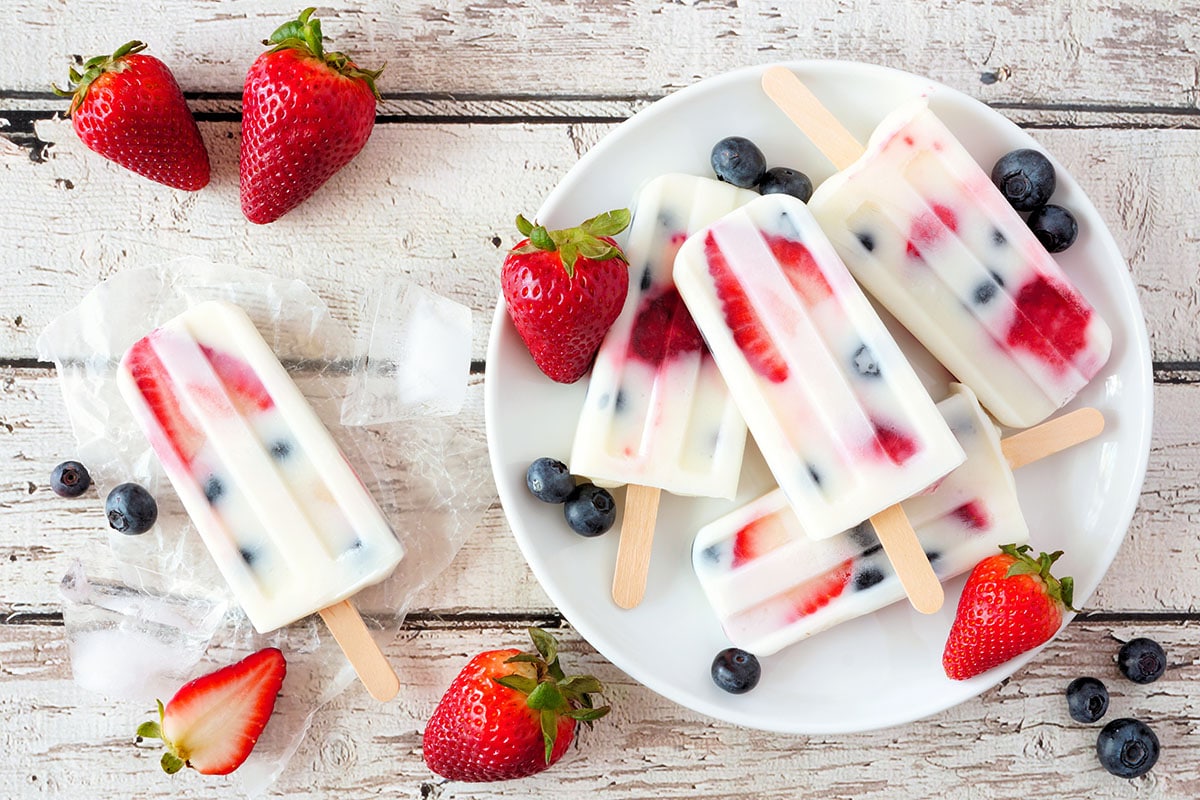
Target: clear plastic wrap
x,y
428,472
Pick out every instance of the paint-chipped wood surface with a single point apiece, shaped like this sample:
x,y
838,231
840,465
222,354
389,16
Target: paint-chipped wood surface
x,y
487,105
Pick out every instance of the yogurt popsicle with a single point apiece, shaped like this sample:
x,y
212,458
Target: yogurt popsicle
x,y
287,521
772,585
657,414
838,413
925,231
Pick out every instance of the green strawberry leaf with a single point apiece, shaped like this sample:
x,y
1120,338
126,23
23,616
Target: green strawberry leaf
x,y
546,697
524,225
610,223
583,684
545,644
587,714
569,253
171,763
149,730
518,682
540,238
1066,590
549,722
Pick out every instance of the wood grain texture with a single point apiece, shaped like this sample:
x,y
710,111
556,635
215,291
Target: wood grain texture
x,y
646,47
63,742
440,199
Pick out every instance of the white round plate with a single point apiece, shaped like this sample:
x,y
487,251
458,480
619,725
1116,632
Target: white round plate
x,y
882,669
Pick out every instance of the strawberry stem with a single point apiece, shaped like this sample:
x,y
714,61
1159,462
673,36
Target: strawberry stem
x,y
1061,589
304,34
590,239
93,68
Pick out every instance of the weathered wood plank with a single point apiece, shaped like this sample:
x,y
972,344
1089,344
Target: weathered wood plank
x,y
434,203
63,742
643,47
41,534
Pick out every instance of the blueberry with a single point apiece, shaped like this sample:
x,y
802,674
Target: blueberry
x,y
1025,178
867,577
213,488
1142,660
865,363
735,671
70,479
1087,699
549,480
784,180
590,510
738,160
130,509
1127,747
1054,227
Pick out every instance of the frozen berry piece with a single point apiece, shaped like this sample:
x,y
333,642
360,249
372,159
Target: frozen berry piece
x,y
70,479
131,509
736,671
549,480
1087,699
784,180
1054,227
1127,747
1025,177
738,160
590,510
1142,660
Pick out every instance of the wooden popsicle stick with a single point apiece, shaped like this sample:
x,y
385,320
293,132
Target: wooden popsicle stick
x,y
352,636
811,116
633,550
1052,436
908,558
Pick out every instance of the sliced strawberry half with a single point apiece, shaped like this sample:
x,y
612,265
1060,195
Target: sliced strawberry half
x,y
241,382
929,227
156,387
1051,324
213,722
801,269
748,332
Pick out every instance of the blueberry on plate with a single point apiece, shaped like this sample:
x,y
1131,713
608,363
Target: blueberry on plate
x,y
737,160
1054,227
1142,660
549,480
1087,699
785,180
590,510
131,509
1025,177
736,671
70,479
1127,747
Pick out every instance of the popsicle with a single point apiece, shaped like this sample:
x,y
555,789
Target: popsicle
x,y
771,585
657,414
840,417
924,230
289,524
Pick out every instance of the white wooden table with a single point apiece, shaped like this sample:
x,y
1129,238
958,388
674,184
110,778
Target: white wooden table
x,y
487,105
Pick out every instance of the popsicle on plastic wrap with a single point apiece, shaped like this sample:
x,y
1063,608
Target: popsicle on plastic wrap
x,y
657,414
841,419
288,522
922,227
771,585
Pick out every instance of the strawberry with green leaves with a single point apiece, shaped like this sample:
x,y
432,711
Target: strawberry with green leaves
x,y
508,714
305,114
128,108
1009,605
213,722
564,289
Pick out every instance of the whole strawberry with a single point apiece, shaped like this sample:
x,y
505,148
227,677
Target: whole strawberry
x,y
564,289
128,108
305,114
213,722
508,714
1010,604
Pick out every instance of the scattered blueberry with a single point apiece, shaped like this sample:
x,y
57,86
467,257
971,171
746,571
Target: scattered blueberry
x,y
738,160
784,180
213,488
1127,747
70,479
736,671
1142,660
549,480
1087,699
1054,227
130,509
1025,178
590,510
